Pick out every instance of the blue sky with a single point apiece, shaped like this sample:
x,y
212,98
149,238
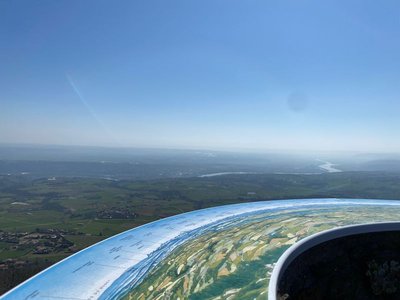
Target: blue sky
x,y
307,75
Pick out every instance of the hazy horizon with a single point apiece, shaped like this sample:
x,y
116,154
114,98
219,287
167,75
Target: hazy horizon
x,y
44,148
259,76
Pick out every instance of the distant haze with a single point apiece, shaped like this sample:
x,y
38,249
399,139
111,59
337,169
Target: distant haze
x,y
295,75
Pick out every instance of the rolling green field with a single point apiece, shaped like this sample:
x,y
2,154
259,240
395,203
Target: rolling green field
x,y
43,221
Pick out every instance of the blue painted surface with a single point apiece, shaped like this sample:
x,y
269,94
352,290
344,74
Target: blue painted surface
x,y
107,270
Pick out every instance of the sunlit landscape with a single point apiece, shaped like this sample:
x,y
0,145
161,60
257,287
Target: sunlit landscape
x,y
199,150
